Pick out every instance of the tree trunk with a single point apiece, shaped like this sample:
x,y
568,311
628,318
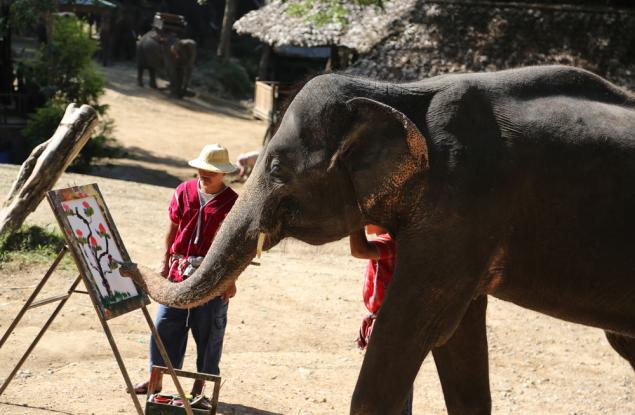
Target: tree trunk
x,y
45,165
224,45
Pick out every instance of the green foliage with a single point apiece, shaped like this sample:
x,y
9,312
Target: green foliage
x,y
225,79
42,123
30,241
64,68
321,12
25,13
64,72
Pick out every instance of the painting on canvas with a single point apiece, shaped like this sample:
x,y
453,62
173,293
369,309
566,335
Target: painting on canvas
x,y
97,248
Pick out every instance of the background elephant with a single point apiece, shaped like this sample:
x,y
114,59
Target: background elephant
x,y
168,54
518,184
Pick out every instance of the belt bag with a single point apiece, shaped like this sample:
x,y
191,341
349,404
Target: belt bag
x,y
181,267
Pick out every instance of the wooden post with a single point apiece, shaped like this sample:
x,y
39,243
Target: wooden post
x,y
45,165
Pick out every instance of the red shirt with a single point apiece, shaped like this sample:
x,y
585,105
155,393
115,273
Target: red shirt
x,y
379,272
184,211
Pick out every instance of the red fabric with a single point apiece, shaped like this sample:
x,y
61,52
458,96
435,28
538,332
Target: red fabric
x,y
379,272
184,208
365,330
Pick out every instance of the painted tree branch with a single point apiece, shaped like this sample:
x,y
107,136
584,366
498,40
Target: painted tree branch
x,y
45,165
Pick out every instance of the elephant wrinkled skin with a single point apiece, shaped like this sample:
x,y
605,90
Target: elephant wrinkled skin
x,y
518,184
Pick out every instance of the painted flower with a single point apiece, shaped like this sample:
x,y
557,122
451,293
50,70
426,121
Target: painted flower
x,y
102,228
93,241
85,204
69,232
79,232
66,207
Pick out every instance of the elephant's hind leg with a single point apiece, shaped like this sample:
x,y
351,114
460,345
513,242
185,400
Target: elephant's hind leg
x,y
153,78
462,364
140,75
623,345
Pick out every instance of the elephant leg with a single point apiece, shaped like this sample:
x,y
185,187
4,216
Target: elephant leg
x,y
153,78
462,364
425,303
140,75
623,345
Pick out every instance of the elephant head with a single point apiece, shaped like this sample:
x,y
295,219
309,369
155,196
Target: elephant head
x,y
179,56
342,157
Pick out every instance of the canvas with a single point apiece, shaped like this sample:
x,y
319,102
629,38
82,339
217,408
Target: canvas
x,y
97,248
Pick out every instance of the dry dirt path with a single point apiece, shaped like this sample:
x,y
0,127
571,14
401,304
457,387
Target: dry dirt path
x,y
289,343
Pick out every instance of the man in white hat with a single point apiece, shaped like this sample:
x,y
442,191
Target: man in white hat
x,y
196,211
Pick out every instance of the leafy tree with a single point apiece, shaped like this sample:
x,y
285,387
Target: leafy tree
x,y
330,10
63,71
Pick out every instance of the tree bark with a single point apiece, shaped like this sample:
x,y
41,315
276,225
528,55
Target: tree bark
x,y
45,165
224,45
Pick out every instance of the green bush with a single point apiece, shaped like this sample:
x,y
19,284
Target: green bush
x,y
64,72
224,79
42,123
64,66
31,240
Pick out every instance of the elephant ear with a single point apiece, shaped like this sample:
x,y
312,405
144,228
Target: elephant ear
x,y
383,149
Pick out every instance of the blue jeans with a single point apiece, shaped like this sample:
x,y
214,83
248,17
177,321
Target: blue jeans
x,y
207,322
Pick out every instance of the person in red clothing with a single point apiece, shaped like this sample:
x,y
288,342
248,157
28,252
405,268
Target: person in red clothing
x,y
381,253
197,209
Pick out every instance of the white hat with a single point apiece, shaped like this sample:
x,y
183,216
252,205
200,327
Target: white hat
x,y
213,157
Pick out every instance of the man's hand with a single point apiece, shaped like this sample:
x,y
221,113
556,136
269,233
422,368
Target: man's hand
x,y
164,268
231,291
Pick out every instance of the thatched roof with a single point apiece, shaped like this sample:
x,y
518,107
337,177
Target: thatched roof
x,y
366,26
443,36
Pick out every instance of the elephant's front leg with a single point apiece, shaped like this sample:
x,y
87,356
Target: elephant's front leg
x,y
431,290
462,364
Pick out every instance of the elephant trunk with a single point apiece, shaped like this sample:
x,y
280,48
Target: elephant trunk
x,y
231,252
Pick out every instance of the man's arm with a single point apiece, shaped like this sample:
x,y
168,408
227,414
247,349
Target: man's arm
x,y
361,247
169,240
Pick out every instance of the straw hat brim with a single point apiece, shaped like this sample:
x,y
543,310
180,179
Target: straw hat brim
x,y
215,167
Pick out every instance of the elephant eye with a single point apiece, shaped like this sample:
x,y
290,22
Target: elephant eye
x,y
275,169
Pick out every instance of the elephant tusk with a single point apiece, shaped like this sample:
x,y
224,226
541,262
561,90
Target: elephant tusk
x,y
261,242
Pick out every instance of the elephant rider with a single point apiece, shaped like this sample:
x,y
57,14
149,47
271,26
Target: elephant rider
x,y
381,252
197,209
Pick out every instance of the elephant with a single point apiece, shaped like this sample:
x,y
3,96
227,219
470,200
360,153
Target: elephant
x,y
517,184
166,52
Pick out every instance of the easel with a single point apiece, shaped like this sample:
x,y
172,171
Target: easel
x,y
63,298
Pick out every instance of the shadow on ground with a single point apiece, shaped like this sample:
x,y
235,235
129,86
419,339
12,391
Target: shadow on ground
x,y
141,154
35,409
122,78
137,173
236,409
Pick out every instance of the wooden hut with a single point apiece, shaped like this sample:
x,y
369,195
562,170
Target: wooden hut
x,y
288,39
445,36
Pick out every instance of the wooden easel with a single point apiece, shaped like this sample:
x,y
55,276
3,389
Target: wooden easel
x,y
63,298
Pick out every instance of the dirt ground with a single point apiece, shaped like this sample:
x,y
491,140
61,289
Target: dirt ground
x,y
289,342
